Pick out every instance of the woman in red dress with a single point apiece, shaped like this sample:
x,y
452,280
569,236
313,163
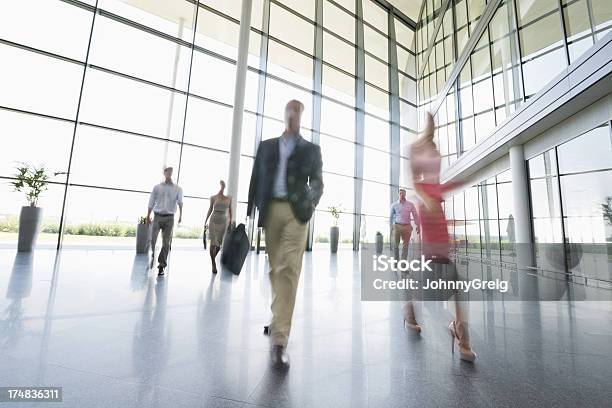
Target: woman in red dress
x,y
425,164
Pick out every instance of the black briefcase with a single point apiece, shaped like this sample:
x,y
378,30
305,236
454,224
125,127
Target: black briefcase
x,y
235,249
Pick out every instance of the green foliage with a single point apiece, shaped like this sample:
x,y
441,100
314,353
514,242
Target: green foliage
x,y
50,228
322,239
191,233
142,220
10,224
31,180
335,212
101,230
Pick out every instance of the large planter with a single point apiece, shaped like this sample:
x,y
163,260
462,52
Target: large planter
x,y
143,238
29,227
334,233
379,243
561,256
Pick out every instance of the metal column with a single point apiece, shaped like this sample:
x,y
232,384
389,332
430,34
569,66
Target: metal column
x,y
359,122
317,86
261,97
394,134
520,201
239,92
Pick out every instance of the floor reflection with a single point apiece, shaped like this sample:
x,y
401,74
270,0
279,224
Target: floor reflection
x,y
101,323
19,287
140,272
152,340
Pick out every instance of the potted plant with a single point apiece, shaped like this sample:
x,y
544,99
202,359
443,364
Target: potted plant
x,y
379,243
334,231
32,181
142,236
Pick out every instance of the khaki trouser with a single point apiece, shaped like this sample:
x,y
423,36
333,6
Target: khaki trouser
x,y
165,224
403,231
285,245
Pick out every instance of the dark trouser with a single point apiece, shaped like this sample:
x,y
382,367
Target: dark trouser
x,y
165,224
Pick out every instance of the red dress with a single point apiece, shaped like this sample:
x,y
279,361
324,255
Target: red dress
x,y
435,241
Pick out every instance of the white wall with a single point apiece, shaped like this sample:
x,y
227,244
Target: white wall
x,y
577,124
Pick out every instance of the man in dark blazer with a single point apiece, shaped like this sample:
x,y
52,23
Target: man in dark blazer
x,y
286,185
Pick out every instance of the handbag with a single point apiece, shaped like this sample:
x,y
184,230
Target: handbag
x,y
235,249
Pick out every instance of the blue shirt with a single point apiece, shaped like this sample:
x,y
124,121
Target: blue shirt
x,y
285,148
401,211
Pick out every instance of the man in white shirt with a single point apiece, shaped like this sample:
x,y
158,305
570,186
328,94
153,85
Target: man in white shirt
x,y
402,224
162,202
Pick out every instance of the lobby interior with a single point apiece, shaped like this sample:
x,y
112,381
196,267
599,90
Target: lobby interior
x,y
105,93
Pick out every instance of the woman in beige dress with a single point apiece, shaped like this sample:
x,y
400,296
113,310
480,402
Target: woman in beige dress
x,y
220,208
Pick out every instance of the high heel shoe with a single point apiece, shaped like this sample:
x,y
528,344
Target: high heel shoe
x,y
412,326
465,351
409,319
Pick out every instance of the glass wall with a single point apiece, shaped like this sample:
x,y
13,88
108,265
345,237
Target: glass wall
x,y
124,89
385,39
571,202
571,206
457,24
337,132
525,44
481,224
118,93
127,88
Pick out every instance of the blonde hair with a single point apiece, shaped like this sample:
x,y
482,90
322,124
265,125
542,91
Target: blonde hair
x,y
427,134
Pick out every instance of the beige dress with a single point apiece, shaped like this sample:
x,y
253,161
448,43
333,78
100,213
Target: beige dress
x,y
218,222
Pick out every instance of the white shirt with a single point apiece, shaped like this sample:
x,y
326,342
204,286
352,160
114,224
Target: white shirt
x,y
285,148
165,197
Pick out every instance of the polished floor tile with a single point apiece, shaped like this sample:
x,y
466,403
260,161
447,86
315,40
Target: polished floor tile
x,y
100,324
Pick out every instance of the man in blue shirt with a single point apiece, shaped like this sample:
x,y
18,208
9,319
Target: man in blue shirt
x,y
401,223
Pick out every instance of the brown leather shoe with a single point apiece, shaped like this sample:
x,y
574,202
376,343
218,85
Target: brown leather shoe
x,y
279,357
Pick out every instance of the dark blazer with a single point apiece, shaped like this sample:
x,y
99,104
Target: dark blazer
x,y
304,178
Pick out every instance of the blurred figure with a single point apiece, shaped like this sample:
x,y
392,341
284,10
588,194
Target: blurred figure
x,y
401,223
162,202
425,163
286,185
220,207
511,235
